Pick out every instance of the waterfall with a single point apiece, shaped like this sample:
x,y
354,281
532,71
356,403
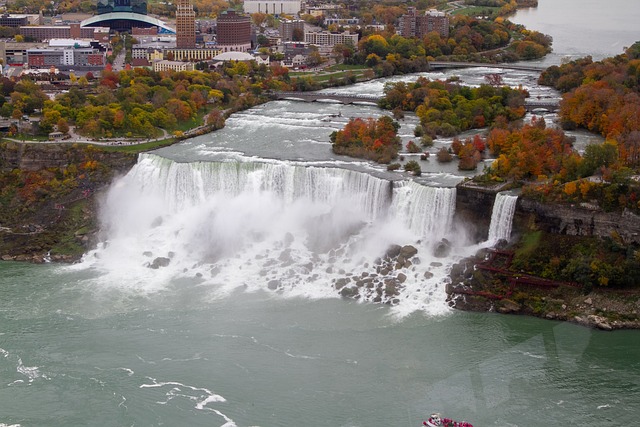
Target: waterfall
x,y
299,229
504,207
184,184
427,211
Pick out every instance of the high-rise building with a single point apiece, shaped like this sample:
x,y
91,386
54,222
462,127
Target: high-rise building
x,y
233,31
413,24
185,25
291,28
277,7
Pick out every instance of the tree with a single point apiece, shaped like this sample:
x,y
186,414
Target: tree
x,y
494,79
62,125
297,35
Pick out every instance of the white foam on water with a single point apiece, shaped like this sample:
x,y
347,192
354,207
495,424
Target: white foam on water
x,y
31,372
291,229
202,397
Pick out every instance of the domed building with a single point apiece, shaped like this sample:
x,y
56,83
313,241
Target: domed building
x,y
122,15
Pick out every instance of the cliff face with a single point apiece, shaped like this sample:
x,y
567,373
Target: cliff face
x,y
34,157
474,206
49,197
577,220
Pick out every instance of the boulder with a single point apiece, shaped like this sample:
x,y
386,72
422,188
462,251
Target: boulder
x,y
350,292
273,284
341,283
442,249
508,306
159,262
408,251
393,251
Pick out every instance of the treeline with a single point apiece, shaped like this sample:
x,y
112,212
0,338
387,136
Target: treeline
x,y
505,7
141,102
470,39
545,163
447,108
50,8
371,139
603,97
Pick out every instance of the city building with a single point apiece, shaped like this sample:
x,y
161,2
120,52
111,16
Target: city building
x,y
172,65
123,15
233,31
80,57
71,31
295,61
412,24
242,57
326,38
185,25
15,53
291,49
323,9
344,22
194,55
279,7
11,20
289,28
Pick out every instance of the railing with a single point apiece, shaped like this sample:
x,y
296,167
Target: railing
x,y
446,64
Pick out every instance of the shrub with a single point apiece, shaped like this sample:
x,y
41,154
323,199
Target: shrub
x,y
393,166
426,141
413,167
412,147
444,156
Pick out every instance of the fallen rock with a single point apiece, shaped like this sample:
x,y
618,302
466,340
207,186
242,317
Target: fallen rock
x,y
159,262
442,249
408,251
393,251
273,284
508,306
350,292
341,283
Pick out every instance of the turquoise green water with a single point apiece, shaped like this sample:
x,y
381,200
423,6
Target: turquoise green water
x,y
73,354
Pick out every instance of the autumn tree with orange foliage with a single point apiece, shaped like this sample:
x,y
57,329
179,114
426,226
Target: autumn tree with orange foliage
x,y
603,97
531,151
368,138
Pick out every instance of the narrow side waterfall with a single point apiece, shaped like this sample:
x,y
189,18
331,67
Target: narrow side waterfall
x,y
295,229
504,207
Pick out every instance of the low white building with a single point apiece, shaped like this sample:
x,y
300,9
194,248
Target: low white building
x,y
279,7
172,65
326,38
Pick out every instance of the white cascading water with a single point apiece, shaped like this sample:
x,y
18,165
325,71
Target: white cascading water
x,y
293,229
504,207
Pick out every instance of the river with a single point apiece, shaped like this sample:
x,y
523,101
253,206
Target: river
x,y
242,325
583,27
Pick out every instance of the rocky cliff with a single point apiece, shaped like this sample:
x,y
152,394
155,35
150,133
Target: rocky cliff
x,y
474,206
577,220
48,197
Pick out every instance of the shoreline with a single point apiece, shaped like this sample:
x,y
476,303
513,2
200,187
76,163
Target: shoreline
x,y
477,289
